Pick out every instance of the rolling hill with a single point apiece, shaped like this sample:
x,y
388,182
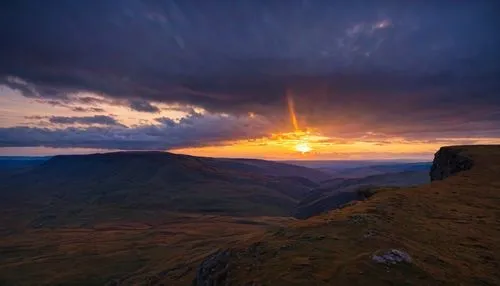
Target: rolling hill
x,y
122,183
136,218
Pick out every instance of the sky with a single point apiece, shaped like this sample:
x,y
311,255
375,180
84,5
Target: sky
x,y
312,80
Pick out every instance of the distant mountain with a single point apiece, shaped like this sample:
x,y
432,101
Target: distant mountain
x,y
336,192
14,161
12,164
345,164
282,169
117,183
378,169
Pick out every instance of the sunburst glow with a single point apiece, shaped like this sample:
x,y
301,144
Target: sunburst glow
x,y
303,147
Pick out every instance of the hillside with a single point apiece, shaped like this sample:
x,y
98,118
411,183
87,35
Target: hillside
x,y
17,162
277,169
153,248
136,218
334,193
443,233
117,184
10,165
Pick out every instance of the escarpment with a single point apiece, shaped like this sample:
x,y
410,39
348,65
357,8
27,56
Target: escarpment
x,y
449,161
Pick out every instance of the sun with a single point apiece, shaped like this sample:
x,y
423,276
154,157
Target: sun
x,y
303,147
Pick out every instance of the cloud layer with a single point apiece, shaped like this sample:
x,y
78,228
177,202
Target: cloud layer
x,y
86,120
193,130
383,70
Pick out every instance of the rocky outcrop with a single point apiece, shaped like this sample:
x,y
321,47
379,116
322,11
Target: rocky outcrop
x,y
213,270
449,161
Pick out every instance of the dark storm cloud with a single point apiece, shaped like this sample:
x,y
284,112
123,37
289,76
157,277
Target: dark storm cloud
x,y
86,120
195,130
143,106
87,109
70,104
391,67
82,120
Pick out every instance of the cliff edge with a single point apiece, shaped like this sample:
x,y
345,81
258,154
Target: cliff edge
x,y
449,161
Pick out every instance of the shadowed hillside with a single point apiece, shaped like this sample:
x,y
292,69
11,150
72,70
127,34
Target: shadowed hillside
x,y
443,233
334,193
375,169
121,183
10,165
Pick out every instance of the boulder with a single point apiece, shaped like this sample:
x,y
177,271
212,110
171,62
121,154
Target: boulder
x,y
213,270
392,256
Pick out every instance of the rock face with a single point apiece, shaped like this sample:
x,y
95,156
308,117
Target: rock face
x,y
213,270
392,256
449,161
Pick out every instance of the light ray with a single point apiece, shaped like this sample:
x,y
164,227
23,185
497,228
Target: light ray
x,y
291,110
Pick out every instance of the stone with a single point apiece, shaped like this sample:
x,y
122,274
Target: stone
x,y
213,270
392,256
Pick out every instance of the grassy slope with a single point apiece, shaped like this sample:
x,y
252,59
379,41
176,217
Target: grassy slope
x,y
166,248
451,229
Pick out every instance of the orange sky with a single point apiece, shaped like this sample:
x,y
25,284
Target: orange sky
x,y
309,144
298,143
322,149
